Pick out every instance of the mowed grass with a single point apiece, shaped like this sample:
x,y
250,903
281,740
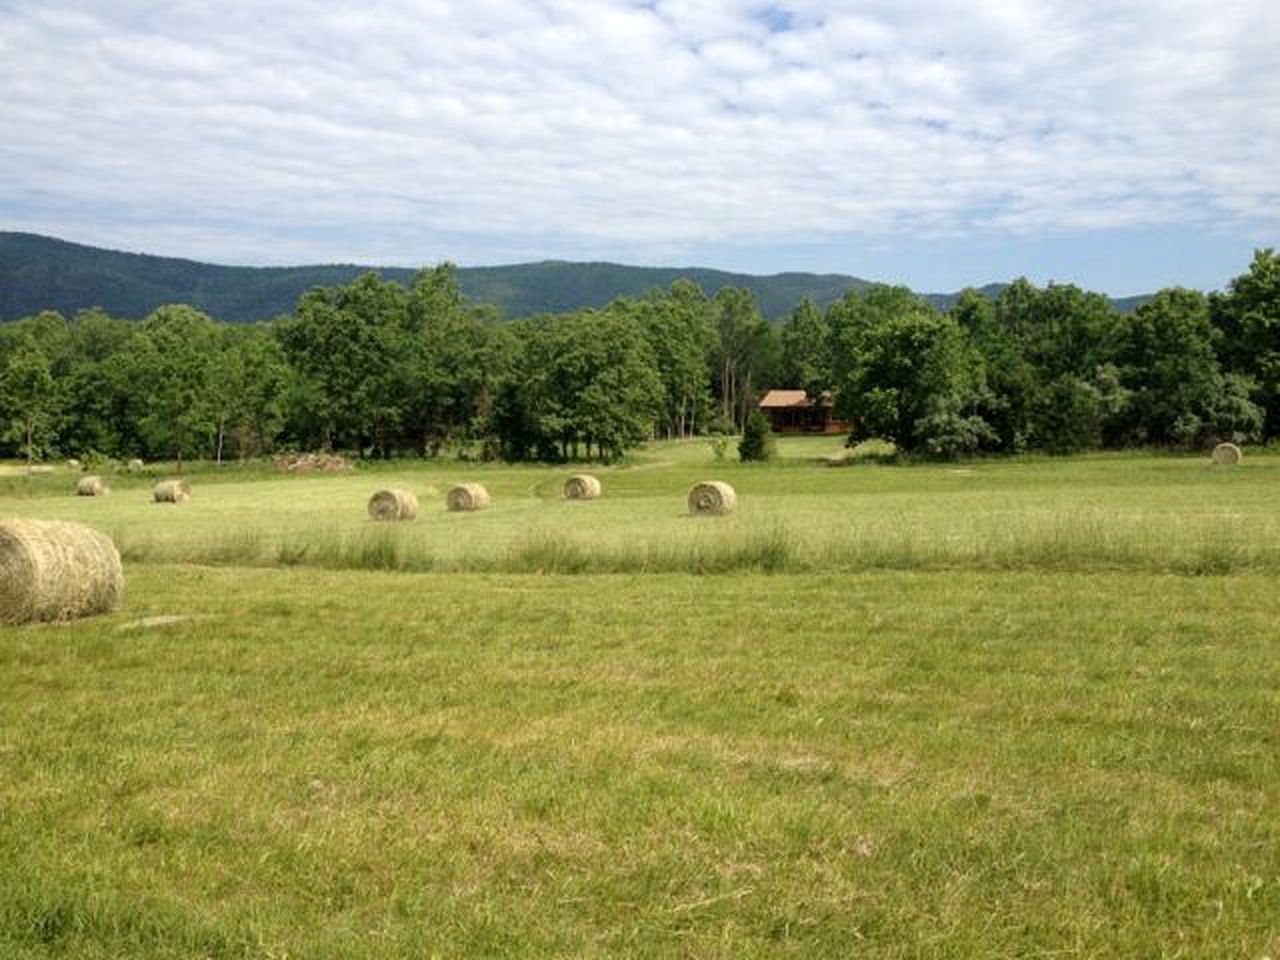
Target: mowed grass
x,y
1105,512
357,764
975,710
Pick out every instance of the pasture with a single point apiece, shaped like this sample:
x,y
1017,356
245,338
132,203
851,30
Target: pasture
x,y
1101,512
1008,708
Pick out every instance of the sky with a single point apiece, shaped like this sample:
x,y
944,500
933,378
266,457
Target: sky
x,y
1122,146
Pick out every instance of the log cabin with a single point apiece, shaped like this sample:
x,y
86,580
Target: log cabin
x,y
791,411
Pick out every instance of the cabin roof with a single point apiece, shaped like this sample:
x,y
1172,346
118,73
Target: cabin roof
x,y
781,399
784,398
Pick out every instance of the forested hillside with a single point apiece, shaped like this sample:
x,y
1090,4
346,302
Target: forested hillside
x,y
380,370
42,273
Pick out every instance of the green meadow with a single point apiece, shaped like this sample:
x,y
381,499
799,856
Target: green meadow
x,y
797,514
1002,708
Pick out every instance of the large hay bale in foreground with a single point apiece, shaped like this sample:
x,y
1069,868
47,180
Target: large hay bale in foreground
x,y
54,570
172,491
393,505
466,497
91,486
712,498
1227,454
583,486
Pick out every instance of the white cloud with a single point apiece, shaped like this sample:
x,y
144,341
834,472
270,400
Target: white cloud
x,y
406,130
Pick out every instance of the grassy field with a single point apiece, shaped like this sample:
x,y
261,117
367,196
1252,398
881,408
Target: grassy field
x,y
1110,512
918,752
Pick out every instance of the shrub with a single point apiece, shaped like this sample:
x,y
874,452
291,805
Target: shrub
x,y
95,462
757,441
720,425
947,435
872,450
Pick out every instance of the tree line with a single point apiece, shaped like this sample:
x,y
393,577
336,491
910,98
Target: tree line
x,y
378,369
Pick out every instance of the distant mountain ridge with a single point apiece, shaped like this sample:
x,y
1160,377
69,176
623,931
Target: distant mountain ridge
x,y
44,273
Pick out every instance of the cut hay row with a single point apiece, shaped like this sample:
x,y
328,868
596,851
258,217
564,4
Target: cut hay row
x,y
393,504
54,570
91,487
312,463
583,486
708,498
172,491
712,498
1227,454
466,497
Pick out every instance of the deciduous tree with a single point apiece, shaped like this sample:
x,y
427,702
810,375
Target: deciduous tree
x,y
30,399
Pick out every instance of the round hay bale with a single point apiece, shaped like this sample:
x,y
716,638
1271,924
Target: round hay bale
x,y
1227,455
39,469
393,505
91,486
54,570
135,465
467,497
583,486
172,491
712,498
73,463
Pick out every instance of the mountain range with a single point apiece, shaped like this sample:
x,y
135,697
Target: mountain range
x,y
44,273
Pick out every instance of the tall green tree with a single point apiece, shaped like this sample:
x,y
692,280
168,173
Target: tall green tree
x,y
49,332
746,352
806,351
351,345
1170,364
251,383
171,365
907,374
1248,315
1070,338
458,354
585,385
1061,330
104,405
30,399
679,340
688,372
1009,378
